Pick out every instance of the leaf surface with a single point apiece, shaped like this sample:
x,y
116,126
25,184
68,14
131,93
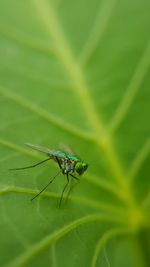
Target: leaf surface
x,y
75,73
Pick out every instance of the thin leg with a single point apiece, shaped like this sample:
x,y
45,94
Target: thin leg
x,y
74,177
64,190
45,187
58,163
71,186
28,167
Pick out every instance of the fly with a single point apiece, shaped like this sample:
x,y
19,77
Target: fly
x,y
69,165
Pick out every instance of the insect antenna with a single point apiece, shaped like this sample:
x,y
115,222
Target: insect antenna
x,y
28,167
45,186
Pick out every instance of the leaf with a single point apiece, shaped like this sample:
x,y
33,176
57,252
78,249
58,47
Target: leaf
x,y
75,73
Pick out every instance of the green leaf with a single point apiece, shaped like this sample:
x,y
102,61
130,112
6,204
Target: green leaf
x,y
75,73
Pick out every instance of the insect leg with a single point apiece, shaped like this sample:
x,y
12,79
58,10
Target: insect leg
x,y
32,166
74,177
64,189
59,163
71,186
45,187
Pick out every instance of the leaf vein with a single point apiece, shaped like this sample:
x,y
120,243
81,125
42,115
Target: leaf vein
x,y
81,90
89,177
99,27
38,247
21,39
138,161
45,115
79,199
102,241
132,90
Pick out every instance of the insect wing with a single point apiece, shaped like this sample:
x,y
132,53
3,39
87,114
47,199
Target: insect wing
x,y
59,154
40,149
66,149
45,150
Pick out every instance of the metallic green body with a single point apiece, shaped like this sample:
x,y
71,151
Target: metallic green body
x,y
68,164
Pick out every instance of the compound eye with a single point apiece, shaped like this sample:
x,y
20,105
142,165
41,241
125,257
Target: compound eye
x,y
81,167
85,166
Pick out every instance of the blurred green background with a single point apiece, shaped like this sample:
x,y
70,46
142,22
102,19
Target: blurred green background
x,y
77,73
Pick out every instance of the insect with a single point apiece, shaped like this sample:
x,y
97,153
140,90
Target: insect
x,y
68,163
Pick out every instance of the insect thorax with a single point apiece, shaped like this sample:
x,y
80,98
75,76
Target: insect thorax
x,y
68,166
